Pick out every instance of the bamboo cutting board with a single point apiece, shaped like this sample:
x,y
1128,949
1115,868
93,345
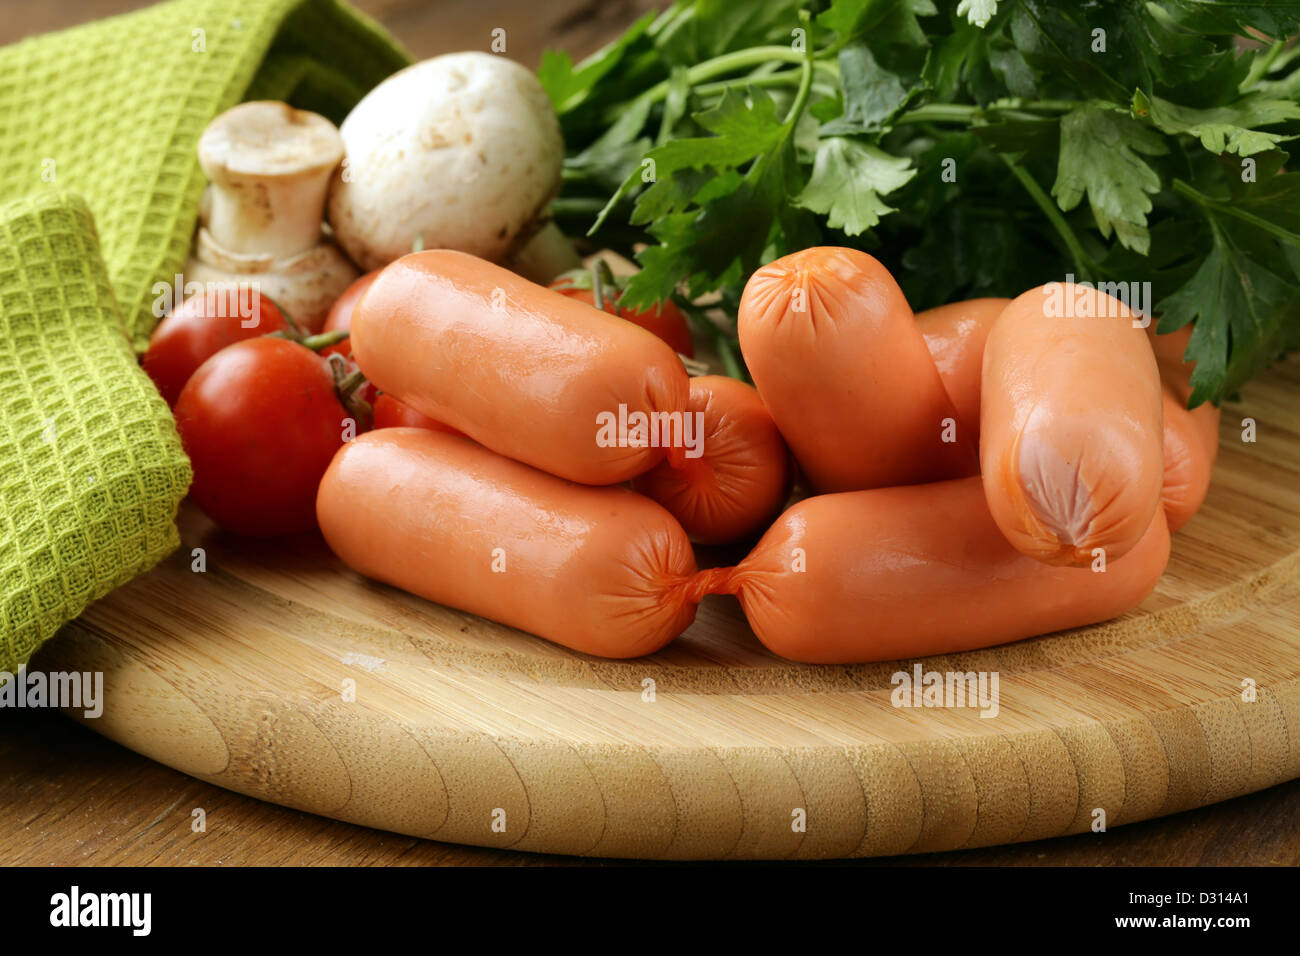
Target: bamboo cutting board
x,y
280,674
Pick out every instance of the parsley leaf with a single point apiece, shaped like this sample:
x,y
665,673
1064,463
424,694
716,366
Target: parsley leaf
x,y
872,96
884,20
1222,128
1252,300
567,86
1099,158
848,179
742,130
1277,200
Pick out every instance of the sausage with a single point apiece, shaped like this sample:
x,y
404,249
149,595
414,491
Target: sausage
x,y
601,570
955,335
530,373
837,358
1187,463
911,571
739,479
1191,438
391,413
1070,425
1177,374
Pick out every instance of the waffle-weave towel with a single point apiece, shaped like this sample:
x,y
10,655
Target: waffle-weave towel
x,y
99,192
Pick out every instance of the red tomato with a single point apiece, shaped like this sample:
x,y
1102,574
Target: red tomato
x,y
391,413
260,421
566,287
203,325
666,321
340,318
340,315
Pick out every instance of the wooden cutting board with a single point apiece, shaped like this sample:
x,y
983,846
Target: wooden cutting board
x,y
278,673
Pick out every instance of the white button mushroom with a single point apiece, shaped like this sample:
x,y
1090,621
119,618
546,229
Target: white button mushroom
x,y
459,152
261,218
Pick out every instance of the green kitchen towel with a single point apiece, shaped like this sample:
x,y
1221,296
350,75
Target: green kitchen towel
x,y
91,468
99,192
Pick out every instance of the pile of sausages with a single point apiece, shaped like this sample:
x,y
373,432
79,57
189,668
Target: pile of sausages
x,y
980,473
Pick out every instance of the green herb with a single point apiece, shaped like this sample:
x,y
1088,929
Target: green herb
x,y
978,147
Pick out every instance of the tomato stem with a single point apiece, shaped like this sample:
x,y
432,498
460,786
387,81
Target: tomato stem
x,y
694,367
346,384
602,279
597,286
324,339
350,383
606,273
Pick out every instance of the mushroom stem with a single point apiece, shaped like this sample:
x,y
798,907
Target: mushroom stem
x,y
260,218
545,256
269,166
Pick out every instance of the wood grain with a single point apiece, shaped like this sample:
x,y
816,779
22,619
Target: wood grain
x,y
70,797
239,675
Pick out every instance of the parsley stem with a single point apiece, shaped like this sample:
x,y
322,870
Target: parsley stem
x,y
801,98
1083,265
784,78
1042,106
727,352
577,205
966,113
1274,230
727,63
723,341
1261,64
939,113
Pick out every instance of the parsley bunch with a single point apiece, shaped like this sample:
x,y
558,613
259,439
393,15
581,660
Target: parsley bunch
x,y
979,147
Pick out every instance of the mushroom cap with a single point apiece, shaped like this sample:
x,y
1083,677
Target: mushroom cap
x,y
463,151
268,138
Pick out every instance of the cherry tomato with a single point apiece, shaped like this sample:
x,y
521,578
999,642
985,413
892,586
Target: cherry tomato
x,y
340,318
666,321
260,421
566,287
203,325
391,413
340,315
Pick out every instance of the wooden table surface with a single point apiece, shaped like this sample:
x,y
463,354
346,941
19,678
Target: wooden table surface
x,y
69,797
